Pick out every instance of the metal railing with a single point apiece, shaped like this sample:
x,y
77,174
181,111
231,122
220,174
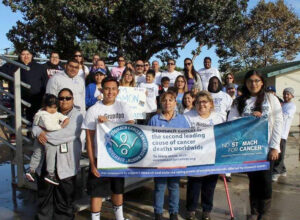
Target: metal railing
x,y
16,112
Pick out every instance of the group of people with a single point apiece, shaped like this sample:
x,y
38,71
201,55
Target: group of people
x,y
76,98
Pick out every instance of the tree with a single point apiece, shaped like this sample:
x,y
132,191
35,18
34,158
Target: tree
x,y
270,34
135,28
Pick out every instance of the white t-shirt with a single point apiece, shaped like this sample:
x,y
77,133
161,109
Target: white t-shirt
x,y
206,74
171,75
271,108
117,112
83,74
288,111
140,79
222,103
199,123
51,122
152,92
157,78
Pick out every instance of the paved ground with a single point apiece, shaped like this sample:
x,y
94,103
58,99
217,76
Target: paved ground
x,y
138,205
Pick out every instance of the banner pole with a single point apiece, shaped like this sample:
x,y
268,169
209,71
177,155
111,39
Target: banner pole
x,y
228,197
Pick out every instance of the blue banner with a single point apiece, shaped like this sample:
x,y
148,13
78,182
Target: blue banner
x,y
143,151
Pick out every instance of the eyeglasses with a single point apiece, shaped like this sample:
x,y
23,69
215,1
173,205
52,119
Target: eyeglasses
x,y
188,64
54,57
256,81
171,64
77,55
202,102
138,65
146,64
62,98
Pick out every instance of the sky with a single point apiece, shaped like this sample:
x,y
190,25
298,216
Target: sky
x,y
8,19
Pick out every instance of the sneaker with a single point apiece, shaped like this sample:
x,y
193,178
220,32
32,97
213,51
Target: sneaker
x,y
173,216
51,178
283,174
206,216
158,216
191,215
228,179
275,177
30,175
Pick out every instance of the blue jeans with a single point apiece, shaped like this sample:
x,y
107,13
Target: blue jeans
x,y
206,185
159,194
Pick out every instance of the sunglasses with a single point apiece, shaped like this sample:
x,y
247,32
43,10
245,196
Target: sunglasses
x,y
62,98
146,65
188,64
171,64
77,55
139,65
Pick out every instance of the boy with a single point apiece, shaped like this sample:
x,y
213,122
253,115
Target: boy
x,y
106,110
288,110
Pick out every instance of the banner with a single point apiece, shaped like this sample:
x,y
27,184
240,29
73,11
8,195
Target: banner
x,y
144,151
135,97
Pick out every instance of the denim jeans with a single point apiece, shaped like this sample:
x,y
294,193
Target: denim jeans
x,y
206,185
159,194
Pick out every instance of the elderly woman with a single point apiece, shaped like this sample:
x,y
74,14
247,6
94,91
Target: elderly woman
x,y
56,202
202,117
256,102
168,118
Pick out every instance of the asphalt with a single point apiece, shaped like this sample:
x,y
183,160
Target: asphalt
x,y
20,204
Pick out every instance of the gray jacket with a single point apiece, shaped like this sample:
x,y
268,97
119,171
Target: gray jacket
x,y
76,84
67,163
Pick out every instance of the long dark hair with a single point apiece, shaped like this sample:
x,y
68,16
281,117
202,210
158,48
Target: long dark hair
x,y
241,100
186,72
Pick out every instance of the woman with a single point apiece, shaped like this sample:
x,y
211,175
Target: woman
x,y
128,79
188,101
83,70
255,101
202,117
181,85
229,78
92,91
56,202
191,75
222,101
168,118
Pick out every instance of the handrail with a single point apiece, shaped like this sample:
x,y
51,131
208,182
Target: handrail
x,y
15,63
13,114
4,75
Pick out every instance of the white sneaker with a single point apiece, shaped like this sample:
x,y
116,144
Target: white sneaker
x,y
283,174
275,177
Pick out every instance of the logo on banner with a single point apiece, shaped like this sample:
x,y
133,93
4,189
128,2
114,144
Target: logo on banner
x,y
126,144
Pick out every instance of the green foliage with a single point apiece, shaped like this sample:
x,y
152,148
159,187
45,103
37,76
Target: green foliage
x,y
137,29
270,34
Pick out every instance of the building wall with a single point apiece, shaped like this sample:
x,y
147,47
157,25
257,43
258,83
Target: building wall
x,y
291,79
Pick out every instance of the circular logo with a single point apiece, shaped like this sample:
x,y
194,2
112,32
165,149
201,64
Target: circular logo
x,y
126,144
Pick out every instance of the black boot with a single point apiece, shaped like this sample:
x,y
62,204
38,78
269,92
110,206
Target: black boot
x,y
173,216
254,209
158,216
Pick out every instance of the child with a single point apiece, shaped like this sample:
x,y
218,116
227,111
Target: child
x,y
151,92
165,83
50,120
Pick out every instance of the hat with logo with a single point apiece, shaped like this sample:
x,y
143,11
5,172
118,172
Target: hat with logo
x,y
100,71
271,89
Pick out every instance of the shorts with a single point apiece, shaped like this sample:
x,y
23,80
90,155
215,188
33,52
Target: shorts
x,y
104,186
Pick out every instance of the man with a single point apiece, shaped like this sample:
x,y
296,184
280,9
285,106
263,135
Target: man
x,y
139,72
106,110
117,71
36,77
207,72
53,66
96,57
288,110
156,68
70,80
171,73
